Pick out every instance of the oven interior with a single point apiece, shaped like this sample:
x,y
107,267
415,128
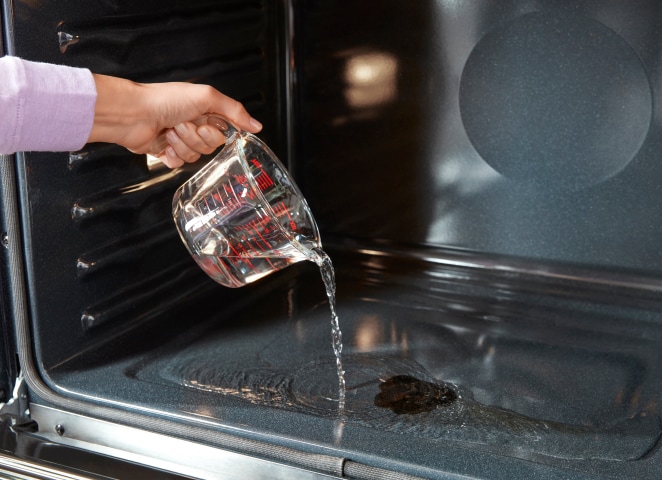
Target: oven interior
x,y
485,178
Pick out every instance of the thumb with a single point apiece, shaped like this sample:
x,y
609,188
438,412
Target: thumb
x,y
234,112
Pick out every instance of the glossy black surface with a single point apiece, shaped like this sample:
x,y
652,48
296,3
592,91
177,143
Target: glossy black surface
x,y
103,255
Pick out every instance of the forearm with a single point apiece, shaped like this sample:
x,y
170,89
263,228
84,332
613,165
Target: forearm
x,y
44,107
120,113
55,108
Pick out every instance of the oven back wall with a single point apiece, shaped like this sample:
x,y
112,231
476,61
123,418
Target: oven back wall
x,y
500,127
103,255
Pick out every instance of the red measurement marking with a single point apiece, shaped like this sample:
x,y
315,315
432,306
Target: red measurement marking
x,y
263,183
261,223
240,255
264,241
230,193
231,202
262,178
262,250
280,209
222,202
242,181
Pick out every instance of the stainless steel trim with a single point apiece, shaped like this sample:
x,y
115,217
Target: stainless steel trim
x,y
290,79
8,25
158,451
17,405
12,468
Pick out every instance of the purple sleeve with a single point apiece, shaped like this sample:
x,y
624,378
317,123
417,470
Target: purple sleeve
x,y
44,107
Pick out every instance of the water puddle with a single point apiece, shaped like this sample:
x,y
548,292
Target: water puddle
x,y
398,395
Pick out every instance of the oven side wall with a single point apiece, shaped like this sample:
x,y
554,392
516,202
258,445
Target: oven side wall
x,y
102,255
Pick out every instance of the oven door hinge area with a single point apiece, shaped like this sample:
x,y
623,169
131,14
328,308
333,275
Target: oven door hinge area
x,y
17,408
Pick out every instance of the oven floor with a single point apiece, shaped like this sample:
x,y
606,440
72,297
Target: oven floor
x,y
447,370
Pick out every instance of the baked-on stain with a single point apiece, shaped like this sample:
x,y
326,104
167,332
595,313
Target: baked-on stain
x,y
407,394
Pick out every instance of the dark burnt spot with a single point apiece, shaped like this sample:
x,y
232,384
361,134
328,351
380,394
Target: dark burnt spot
x,y
406,394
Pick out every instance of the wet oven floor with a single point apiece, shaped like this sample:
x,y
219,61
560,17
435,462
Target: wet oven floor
x,y
444,365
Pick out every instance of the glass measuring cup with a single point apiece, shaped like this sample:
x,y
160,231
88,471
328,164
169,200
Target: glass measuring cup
x,y
242,216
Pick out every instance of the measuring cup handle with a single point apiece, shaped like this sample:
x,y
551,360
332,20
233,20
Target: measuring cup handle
x,y
223,125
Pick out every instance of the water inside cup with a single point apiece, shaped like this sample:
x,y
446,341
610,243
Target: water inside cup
x,y
242,216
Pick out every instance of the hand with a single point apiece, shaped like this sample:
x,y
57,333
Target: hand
x,y
167,120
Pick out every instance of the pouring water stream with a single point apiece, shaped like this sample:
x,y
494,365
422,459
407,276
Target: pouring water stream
x,y
325,265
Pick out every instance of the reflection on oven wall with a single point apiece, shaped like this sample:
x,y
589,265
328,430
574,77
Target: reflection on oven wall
x,y
524,129
371,81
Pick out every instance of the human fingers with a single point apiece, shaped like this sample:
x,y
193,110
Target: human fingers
x,y
212,136
198,139
180,148
209,139
232,110
170,158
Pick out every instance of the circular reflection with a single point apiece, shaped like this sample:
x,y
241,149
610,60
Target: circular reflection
x,y
554,99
